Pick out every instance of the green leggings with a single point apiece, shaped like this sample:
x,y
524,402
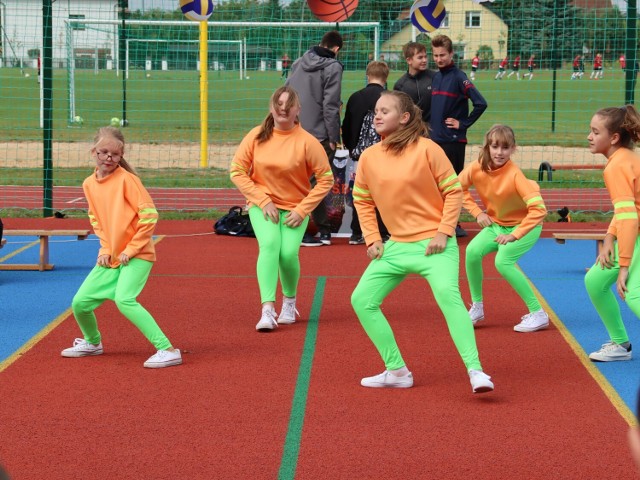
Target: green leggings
x,y
279,247
382,276
122,285
505,261
599,281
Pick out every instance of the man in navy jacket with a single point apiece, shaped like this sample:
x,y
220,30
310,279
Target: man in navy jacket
x,y
450,117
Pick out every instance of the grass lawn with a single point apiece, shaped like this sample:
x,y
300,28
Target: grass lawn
x,y
165,107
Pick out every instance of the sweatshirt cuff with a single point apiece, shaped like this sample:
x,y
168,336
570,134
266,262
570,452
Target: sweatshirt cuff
x,y
447,230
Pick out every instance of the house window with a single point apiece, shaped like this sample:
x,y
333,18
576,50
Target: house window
x,y
472,19
445,21
76,25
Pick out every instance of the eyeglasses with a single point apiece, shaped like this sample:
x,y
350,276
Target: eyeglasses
x,y
105,155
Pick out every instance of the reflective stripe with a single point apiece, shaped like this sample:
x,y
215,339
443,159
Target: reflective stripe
x,y
148,220
361,190
447,180
535,199
627,216
455,186
624,204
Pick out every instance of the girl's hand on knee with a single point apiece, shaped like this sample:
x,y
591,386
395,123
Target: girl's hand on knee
x,y
375,250
124,259
605,256
621,283
104,260
270,212
504,239
292,219
484,220
437,244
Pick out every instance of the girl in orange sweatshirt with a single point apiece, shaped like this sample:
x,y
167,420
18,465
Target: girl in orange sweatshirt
x,y
123,217
410,180
271,168
511,223
613,133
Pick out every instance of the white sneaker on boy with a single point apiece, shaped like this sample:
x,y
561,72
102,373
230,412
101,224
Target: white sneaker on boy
x,y
267,321
476,312
532,322
164,358
288,313
82,348
388,380
611,352
480,381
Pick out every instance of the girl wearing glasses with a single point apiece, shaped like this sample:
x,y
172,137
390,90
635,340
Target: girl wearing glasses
x,y
123,217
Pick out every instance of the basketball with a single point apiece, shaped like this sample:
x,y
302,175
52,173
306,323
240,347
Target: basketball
x,y
332,10
427,15
197,10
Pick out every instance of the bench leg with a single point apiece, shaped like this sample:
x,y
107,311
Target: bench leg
x,y
44,253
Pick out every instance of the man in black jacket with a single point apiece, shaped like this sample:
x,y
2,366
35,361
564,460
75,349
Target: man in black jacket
x,y
359,104
417,81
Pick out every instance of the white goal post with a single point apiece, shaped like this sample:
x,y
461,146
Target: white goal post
x,y
112,36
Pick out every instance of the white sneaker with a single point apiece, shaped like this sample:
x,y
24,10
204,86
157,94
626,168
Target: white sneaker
x,y
82,348
288,313
267,321
388,380
476,312
480,381
611,352
533,321
164,358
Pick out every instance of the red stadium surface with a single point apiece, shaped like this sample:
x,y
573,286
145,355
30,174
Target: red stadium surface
x,y
64,198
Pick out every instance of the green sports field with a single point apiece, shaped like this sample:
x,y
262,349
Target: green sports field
x,y
165,107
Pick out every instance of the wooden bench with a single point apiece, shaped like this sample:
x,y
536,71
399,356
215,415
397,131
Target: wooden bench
x,y
562,237
43,235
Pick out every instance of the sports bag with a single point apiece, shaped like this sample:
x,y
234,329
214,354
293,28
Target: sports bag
x,y
236,223
368,136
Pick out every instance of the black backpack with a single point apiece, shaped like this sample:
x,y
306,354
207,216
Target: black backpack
x,y
236,223
368,136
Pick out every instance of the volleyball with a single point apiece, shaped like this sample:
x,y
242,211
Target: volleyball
x,y
427,15
332,10
115,122
78,120
197,10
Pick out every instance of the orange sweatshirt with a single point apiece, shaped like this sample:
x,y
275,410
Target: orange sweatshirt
x,y
509,197
417,192
622,178
279,170
122,215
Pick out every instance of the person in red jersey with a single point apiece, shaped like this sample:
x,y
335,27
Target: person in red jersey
x,y
475,63
597,71
531,63
515,68
502,68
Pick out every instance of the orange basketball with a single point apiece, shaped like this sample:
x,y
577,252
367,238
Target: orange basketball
x,y
332,10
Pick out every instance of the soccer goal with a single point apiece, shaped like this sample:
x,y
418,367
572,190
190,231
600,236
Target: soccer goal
x,y
233,48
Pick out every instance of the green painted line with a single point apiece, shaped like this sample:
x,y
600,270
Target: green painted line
x,y
296,420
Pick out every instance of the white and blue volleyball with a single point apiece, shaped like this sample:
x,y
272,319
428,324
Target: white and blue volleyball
x,y
197,10
427,15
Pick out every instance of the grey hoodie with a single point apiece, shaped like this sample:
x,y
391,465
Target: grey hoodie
x,y
317,77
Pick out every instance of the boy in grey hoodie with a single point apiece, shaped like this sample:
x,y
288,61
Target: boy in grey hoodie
x,y
317,77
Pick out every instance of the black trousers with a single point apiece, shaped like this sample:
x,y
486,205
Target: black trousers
x,y
319,214
455,153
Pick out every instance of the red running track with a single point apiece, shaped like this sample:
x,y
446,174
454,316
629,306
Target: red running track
x,y
65,198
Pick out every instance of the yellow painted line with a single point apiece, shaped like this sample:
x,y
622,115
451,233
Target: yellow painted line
x,y
20,250
34,340
600,379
